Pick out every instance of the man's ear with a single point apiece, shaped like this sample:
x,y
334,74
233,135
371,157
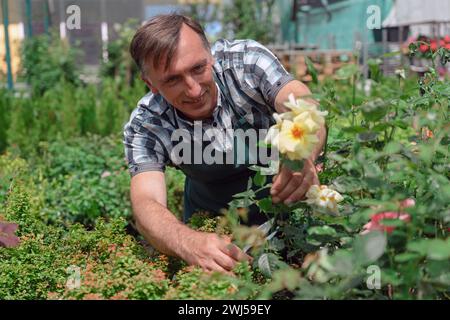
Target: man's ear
x,y
149,85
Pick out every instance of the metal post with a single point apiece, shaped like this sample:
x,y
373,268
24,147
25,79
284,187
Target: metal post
x,y
7,50
62,23
28,18
400,43
46,17
385,49
365,54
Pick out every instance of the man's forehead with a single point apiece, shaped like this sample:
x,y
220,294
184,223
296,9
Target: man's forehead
x,y
181,65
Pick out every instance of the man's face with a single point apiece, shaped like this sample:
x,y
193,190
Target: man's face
x,y
188,82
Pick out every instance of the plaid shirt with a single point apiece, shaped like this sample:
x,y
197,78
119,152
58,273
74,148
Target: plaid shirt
x,y
253,76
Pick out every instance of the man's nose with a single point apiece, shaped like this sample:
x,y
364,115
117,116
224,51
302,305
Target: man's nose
x,y
193,89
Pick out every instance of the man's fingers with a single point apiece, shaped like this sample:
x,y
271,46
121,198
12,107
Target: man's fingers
x,y
281,180
316,179
214,267
293,185
237,254
225,238
225,261
299,193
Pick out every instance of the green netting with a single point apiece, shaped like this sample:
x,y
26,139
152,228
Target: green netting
x,y
348,21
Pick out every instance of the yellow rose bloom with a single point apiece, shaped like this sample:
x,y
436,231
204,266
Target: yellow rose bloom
x,y
296,139
295,132
300,106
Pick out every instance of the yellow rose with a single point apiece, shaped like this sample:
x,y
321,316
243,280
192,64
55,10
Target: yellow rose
x,y
300,106
295,132
297,138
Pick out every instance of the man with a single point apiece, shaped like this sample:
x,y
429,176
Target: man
x,y
189,81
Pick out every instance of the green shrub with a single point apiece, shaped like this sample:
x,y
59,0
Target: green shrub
x,y
120,66
109,263
47,61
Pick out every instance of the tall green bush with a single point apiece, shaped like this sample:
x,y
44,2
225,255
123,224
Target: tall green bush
x,y
47,60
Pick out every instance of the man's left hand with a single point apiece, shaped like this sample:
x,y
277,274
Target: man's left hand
x,y
290,187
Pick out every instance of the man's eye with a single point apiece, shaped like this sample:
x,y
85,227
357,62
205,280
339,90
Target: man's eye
x,y
172,81
199,69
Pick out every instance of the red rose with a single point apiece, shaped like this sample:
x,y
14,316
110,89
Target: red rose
x,y
423,48
433,46
447,39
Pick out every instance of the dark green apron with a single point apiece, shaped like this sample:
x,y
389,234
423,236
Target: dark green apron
x,y
211,187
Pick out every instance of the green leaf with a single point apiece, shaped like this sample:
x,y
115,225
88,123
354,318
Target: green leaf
x,y
374,110
393,222
347,71
392,54
405,257
314,242
370,247
342,261
374,183
266,205
367,136
262,144
439,269
322,231
293,165
393,147
347,184
268,263
426,152
264,265
399,123
391,276
311,70
285,279
435,249
259,180
375,70
354,129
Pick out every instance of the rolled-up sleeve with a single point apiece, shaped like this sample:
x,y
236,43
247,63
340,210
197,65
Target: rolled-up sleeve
x,y
267,72
144,150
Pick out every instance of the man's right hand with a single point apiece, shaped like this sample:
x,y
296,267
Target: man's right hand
x,y
154,220
212,252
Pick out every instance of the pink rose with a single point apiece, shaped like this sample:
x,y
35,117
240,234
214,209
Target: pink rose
x,y
376,219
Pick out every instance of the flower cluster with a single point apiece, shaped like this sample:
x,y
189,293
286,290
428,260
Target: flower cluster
x,y
324,198
295,131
